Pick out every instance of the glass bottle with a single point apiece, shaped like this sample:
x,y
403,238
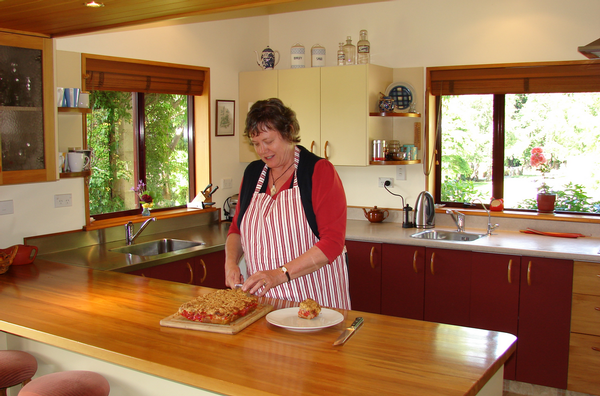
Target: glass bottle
x,y
349,52
364,49
340,55
15,85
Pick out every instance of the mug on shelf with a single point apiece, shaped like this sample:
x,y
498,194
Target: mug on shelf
x,y
77,161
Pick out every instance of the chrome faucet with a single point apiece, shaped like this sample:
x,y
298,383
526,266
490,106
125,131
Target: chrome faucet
x,y
459,219
490,227
129,235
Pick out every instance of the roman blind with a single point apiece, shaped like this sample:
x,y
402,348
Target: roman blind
x,y
548,77
131,75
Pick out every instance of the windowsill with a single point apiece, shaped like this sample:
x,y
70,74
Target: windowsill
x,y
574,218
165,214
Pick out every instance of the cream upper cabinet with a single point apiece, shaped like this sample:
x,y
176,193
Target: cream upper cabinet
x,y
300,89
254,86
348,94
332,105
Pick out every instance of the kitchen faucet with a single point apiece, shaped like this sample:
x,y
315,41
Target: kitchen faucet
x,y
459,219
129,236
490,227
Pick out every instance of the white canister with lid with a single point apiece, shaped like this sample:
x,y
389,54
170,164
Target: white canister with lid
x,y
297,56
317,55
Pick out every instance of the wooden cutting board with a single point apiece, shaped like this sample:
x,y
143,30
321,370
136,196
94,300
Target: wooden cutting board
x,y
234,327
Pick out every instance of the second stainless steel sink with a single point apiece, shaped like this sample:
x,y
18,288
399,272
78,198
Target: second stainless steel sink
x,y
154,248
440,235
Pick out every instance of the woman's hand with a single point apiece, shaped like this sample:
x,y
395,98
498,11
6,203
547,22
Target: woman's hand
x,y
263,281
233,275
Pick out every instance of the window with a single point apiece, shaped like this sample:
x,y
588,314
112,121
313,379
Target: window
x,y
143,130
493,118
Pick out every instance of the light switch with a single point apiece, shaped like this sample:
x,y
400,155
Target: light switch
x,y
6,207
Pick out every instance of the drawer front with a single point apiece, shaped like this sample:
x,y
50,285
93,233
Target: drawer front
x,y
585,314
584,364
586,278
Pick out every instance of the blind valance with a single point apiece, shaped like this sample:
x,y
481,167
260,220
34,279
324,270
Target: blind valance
x,y
551,77
130,75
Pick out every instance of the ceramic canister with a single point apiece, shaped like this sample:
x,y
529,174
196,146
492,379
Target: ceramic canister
x,y
297,56
318,56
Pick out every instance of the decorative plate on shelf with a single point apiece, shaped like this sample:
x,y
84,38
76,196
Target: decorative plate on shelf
x,y
403,95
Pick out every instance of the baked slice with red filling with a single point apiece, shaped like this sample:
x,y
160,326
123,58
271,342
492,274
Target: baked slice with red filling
x,y
219,307
309,309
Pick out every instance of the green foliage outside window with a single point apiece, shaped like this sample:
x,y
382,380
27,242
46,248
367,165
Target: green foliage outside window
x,y
112,137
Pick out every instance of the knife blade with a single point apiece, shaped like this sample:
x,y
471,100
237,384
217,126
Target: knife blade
x,y
348,332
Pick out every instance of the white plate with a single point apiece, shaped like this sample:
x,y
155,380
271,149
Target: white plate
x,y
400,86
288,319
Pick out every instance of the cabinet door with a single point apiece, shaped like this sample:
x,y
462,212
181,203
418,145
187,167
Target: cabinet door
x,y
544,321
364,272
253,86
344,110
300,89
495,296
27,107
402,281
209,270
178,271
447,286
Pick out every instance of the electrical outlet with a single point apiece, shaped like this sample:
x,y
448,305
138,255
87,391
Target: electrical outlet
x,y
227,183
382,181
400,172
63,200
6,207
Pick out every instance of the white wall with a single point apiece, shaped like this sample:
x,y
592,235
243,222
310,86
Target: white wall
x,y
402,33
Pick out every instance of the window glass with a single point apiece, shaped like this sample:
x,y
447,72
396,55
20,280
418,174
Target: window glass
x,y
133,144
466,165
551,142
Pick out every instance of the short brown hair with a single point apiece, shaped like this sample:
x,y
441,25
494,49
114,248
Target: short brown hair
x,y
272,114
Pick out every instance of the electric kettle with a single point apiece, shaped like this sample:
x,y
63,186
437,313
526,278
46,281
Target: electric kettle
x,y
425,211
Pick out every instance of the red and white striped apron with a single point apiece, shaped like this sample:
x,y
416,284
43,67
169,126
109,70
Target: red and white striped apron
x,y
274,231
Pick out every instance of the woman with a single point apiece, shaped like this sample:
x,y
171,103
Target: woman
x,y
290,221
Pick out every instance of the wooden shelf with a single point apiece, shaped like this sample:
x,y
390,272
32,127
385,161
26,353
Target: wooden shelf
x,y
408,162
395,114
77,110
68,175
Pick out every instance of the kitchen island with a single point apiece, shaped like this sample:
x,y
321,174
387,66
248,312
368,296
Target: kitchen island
x,y
114,318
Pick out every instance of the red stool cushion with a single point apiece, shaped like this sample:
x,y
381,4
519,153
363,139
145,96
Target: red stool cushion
x,y
16,367
68,383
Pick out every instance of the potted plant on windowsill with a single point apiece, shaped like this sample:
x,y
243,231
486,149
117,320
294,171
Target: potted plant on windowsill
x,y
546,199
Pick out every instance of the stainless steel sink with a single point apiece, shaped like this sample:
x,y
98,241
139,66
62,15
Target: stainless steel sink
x,y
154,248
440,235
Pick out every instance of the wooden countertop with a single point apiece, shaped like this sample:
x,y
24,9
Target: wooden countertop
x,y
115,317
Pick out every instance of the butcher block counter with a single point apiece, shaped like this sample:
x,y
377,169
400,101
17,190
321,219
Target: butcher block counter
x,y
115,317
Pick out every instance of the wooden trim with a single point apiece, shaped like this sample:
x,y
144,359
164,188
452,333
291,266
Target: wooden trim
x,y
132,75
571,76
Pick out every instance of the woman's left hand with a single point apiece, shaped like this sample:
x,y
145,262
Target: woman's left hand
x,y
263,281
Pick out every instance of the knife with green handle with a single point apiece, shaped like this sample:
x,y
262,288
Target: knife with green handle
x,y
349,331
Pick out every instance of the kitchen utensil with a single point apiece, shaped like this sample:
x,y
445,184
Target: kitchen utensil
x,y
376,215
552,234
234,327
403,95
213,191
288,319
349,331
297,54
77,161
25,254
425,211
268,58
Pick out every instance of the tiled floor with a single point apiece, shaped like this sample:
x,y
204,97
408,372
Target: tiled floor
x,y
514,388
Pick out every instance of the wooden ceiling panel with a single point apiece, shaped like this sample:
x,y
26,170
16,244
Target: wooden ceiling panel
x,y
66,17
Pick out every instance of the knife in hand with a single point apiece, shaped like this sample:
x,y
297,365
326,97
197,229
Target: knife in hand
x,y
349,331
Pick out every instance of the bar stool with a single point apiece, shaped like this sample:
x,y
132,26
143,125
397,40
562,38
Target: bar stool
x,y
68,383
16,367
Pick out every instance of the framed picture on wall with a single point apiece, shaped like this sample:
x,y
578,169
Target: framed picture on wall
x,y
225,118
